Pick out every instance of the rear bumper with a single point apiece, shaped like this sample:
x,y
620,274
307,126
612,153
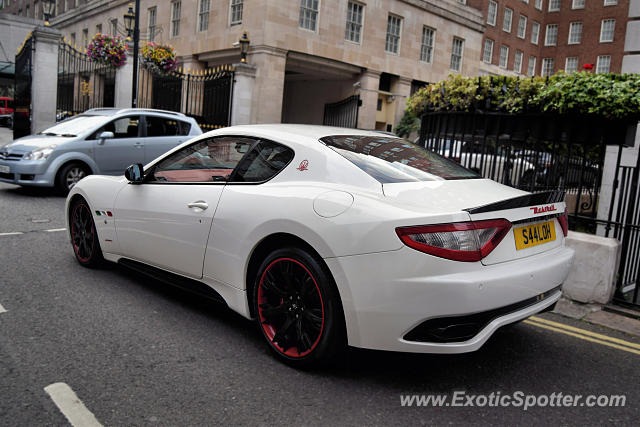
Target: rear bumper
x,y
388,295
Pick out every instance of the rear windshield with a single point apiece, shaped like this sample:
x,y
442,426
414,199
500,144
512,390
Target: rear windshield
x,y
389,159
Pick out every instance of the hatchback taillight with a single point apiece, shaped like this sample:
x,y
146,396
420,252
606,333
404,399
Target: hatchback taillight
x,y
459,241
564,223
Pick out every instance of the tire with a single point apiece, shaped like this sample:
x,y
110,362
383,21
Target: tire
x,y
298,309
84,236
69,176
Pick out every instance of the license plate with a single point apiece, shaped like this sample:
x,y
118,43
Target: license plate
x,y
534,234
4,169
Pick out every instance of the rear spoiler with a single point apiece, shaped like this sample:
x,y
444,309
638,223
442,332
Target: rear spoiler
x,y
532,199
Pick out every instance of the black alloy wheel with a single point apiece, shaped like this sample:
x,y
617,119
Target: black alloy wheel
x,y
84,237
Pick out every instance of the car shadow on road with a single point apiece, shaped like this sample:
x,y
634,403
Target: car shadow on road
x,y
32,192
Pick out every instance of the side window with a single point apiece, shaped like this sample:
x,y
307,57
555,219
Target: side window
x,y
185,128
210,160
126,127
263,162
160,126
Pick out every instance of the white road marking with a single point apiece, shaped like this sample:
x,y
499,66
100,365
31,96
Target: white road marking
x,y
70,406
55,230
15,233
2,309
18,233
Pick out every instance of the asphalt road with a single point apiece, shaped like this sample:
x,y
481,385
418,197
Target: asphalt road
x,y
137,352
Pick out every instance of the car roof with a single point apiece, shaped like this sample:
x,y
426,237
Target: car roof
x,y
114,111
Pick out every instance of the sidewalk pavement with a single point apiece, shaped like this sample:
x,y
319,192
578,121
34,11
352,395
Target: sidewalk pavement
x,y
616,318
6,135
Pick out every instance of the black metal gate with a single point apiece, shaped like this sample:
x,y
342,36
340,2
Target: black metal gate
x,y
22,90
205,96
342,113
82,84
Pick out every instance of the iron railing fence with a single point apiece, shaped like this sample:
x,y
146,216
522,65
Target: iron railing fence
x,y
22,90
342,113
82,84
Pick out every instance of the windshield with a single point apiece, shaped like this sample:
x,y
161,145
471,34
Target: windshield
x,y
389,159
75,126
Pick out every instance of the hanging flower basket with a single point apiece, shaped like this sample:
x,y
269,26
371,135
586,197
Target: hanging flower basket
x,y
158,58
107,50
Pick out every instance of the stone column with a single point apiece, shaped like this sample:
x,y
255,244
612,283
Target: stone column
x,y
401,89
270,63
44,78
124,84
369,83
243,88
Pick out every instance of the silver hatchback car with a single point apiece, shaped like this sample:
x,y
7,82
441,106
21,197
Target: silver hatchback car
x,y
99,141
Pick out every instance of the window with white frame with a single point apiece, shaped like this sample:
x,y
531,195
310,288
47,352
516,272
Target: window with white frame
x,y
487,52
535,32
522,26
538,6
457,50
355,16
114,26
203,15
603,64
426,49
504,56
575,33
308,14
607,29
151,28
571,64
554,6
610,2
517,61
547,66
492,13
85,38
551,36
176,12
531,66
577,4
235,12
507,19
394,27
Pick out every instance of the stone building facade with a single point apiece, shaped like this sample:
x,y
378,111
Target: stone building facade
x,y
307,53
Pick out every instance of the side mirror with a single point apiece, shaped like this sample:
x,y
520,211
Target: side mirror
x,y
103,136
134,173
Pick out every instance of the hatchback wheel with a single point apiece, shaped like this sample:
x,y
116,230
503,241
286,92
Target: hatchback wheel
x,y
69,176
84,237
298,308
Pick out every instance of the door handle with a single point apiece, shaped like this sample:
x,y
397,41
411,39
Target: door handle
x,y
200,204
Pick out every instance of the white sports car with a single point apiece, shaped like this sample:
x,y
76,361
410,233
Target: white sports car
x,y
331,236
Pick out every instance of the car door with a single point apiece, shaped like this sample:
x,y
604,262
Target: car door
x,y
114,155
163,134
165,221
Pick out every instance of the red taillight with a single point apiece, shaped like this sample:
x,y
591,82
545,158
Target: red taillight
x,y
564,223
459,241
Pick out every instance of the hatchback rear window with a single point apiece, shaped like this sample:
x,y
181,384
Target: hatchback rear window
x,y
389,159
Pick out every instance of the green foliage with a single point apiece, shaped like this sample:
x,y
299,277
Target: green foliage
x,y
408,124
609,95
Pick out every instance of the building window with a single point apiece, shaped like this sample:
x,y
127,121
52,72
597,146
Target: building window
x,y
522,26
504,56
492,13
176,12
517,61
151,31
394,26
203,15
531,67
571,65
487,53
85,38
73,39
535,32
610,2
575,33
114,26
577,4
99,29
554,6
456,54
539,7
551,37
235,12
308,14
428,38
547,67
355,15
604,64
507,20
606,30
36,10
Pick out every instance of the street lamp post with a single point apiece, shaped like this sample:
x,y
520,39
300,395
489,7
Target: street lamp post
x,y
132,19
48,6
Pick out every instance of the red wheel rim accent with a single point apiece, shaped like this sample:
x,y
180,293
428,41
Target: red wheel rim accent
x,y
279,339
83,242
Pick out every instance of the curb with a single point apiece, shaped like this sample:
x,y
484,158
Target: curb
x,y
598,315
